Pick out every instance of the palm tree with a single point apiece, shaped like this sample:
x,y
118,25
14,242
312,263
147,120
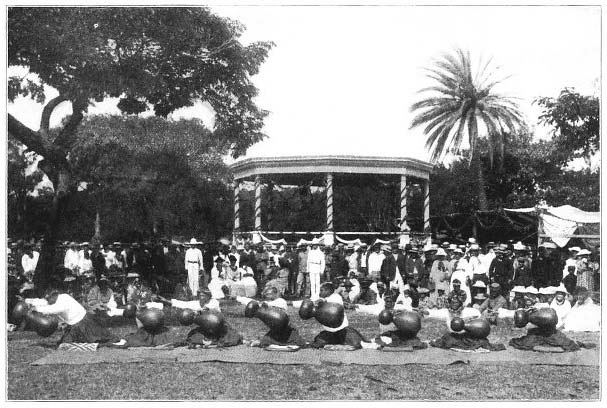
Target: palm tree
x,y
459,101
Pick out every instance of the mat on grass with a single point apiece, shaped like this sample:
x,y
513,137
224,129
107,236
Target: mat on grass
x,y
244,354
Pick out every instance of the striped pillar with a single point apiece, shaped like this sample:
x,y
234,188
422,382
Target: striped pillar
x,y
403,204
329,202
258,203
236,205
427,208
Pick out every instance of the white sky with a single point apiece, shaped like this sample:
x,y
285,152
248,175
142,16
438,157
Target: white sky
x,y
341,79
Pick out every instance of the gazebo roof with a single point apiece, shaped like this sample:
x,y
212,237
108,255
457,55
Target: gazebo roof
x,y
353,165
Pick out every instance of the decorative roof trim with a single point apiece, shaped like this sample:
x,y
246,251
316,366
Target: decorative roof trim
x,y
255,166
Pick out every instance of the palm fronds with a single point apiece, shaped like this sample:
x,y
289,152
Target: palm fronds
x,y
460,100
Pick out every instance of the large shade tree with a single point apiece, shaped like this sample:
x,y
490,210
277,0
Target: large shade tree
x,y
457,103
150,58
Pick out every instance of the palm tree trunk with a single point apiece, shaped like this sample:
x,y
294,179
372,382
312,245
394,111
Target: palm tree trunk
x,y
482,195
483,205
97,236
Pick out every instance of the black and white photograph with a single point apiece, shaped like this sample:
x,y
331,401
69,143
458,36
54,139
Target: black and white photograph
x,y
298,201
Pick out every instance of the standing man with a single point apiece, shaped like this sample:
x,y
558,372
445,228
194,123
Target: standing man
x,y
541,267
500,270
414,266
315,267
303,278
98,261
193,265
374,263
292,265
475,267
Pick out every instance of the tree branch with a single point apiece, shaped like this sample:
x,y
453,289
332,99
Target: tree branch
x,y
66,136
47,112
34,141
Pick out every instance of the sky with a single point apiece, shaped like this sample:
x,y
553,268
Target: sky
x,y
341,79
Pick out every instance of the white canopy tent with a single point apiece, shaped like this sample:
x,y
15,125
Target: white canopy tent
x,y
560,224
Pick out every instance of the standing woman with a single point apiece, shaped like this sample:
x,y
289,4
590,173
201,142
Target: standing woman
x,y
440,274
193,265
585,274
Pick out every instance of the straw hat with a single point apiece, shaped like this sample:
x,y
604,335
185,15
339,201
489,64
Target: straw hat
x,y
441,252
518,289
584,252
519,246
479,284
531,290
561,288
550,290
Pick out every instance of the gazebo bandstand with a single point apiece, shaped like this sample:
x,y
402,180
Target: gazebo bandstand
x,y
296,170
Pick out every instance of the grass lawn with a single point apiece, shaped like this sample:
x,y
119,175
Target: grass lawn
x,y
232,381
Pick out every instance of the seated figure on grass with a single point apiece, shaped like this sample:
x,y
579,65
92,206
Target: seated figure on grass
x,y
456,299
79,326
584,315
100,301
542,333
182,289
398,326
212,331
204,302
561,305
368,293
490,308
272,311
330,308
218,285
151,331
242,279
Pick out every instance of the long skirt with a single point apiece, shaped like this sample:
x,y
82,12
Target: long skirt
x,y
87,330
216,287
287,337
542,337
397,340
227,337
143,338
247,287
465,342
346,336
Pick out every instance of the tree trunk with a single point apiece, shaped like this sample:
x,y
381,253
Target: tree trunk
x,y
476,161
56,166
45,274
483,205
97,236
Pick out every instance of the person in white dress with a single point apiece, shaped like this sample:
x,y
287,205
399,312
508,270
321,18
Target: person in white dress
x,y
584,315
218,279
561,305
29,261
71,260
